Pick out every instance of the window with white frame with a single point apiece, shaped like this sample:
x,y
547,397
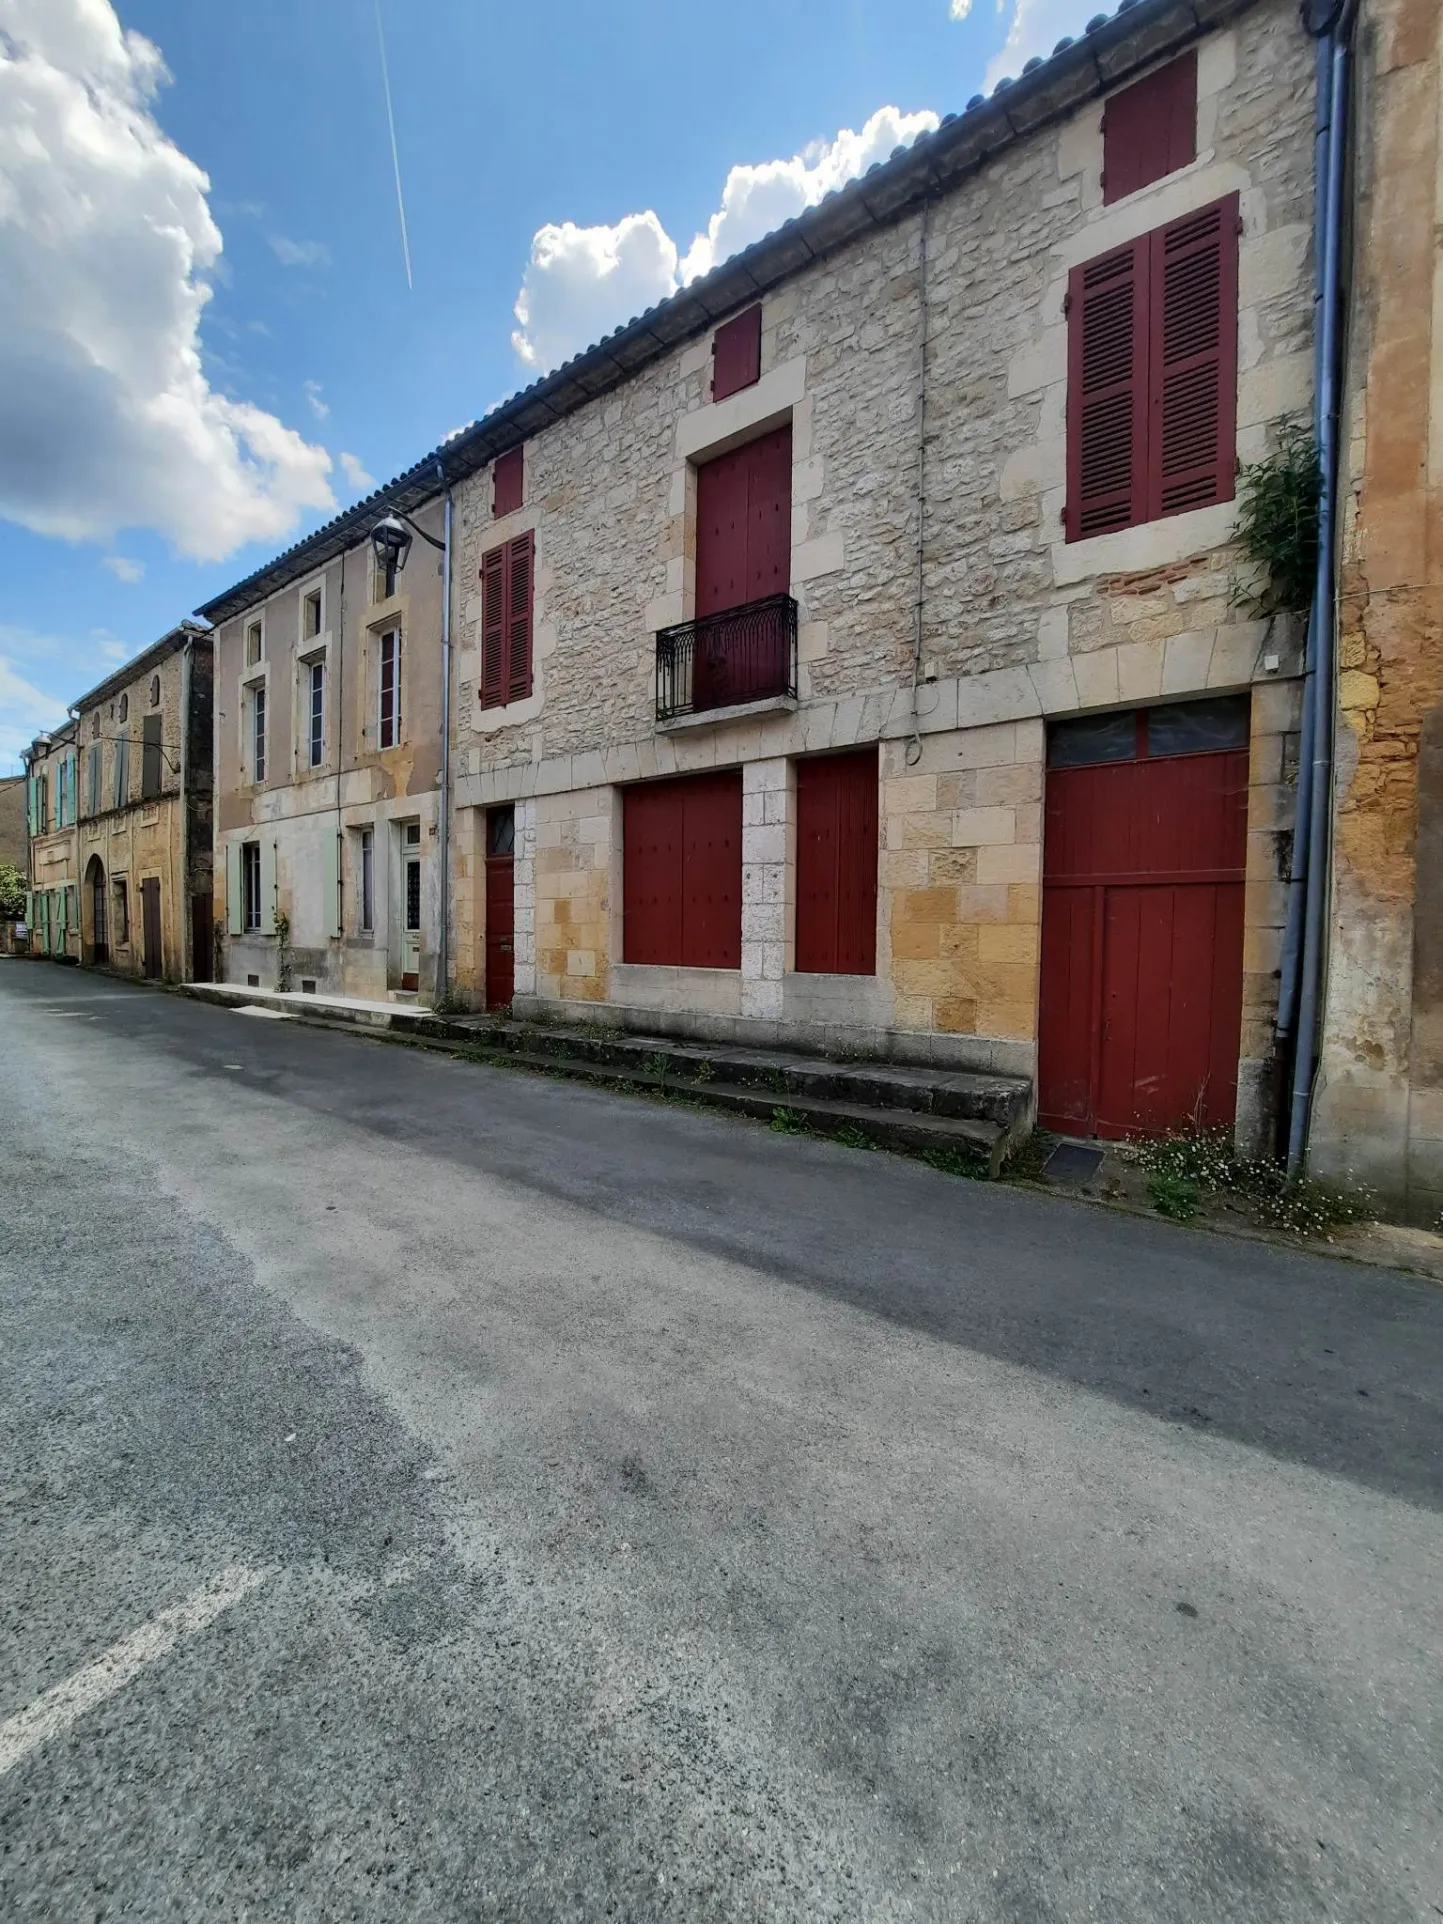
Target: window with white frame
x,y
315,686
255,643
389,688
257,743
311,613
251,886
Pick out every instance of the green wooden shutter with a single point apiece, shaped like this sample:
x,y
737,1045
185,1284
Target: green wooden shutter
x,y
333,885
234,905
268,888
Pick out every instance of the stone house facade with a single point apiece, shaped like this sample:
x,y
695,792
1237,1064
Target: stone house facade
x,y
945,622
12,821
144,809
853,653
52,906
1378,1111
328,759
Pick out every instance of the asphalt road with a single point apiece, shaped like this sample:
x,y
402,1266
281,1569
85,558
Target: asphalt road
x,y
432,1492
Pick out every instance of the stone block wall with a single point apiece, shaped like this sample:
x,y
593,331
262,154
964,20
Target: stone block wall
x,y
1016,625
1378,1108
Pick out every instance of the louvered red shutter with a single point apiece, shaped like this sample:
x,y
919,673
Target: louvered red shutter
x,y
508,477
493,628
518,617
1193,355
1107,392
1150,129
736,354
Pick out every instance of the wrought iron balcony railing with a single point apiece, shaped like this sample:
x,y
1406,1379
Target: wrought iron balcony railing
x,y
744,654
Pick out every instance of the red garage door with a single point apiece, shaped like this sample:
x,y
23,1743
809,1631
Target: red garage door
x,y
837,864
1142,919
682,871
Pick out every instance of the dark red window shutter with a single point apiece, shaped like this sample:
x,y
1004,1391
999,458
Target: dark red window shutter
x,y
1107,341
493,628
506,479
682,871
519,573
837,864
744,524
1193,355
1150,129
736,354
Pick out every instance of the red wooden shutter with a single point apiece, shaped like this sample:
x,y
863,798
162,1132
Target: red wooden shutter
x,y
1107,341
681,884
506,479
837,864
493,628
519,573
711,909
744,524
651,873
736,354
1150,129
1193,356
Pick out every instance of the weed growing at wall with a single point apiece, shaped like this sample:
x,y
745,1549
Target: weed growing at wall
x,y
1277,525
1188,1169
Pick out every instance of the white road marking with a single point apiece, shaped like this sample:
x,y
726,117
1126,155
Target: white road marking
x,y
59,1708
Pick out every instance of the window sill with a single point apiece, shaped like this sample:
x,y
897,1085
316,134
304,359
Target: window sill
x,y
739,711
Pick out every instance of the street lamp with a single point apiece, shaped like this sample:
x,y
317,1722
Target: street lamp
x,y
391,542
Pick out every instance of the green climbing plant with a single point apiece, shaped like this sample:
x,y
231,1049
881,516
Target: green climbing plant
x,y
1277,525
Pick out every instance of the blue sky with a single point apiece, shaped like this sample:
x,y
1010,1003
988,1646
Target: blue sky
x,y
156,445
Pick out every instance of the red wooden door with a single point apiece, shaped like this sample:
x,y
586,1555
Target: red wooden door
x,y
743,553
1142,921
682,871
837,864
150,925
500,907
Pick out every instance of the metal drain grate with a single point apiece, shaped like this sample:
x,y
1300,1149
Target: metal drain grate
x,y
1072,1162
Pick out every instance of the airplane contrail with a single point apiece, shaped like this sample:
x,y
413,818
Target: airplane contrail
x,y
395,153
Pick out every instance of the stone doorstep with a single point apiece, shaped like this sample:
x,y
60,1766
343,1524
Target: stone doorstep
x,y
982,1116
958,1094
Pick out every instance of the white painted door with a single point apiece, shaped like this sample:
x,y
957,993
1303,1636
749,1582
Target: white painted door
x,y
411,905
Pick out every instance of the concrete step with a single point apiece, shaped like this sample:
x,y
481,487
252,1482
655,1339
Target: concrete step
x,y
974,1115
976,1139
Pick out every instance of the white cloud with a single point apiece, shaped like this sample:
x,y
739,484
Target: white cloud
x,y
107,419
960,9
313,396
24,711
123,568
292,253
355,472
1036,28
581,282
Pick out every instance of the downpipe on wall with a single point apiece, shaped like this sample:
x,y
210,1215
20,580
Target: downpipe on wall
x,y
443,945
1300,987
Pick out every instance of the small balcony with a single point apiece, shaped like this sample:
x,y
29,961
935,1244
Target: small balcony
x,y
743,655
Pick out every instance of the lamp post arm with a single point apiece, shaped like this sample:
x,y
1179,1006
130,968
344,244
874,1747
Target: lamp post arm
x,y
439,546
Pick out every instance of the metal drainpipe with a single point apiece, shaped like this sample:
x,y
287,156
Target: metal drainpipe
x,y
338,907
1319,823
187,913
1302,810
443,946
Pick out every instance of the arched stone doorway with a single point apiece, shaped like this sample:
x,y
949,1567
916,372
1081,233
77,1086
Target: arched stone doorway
x,y
94,930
